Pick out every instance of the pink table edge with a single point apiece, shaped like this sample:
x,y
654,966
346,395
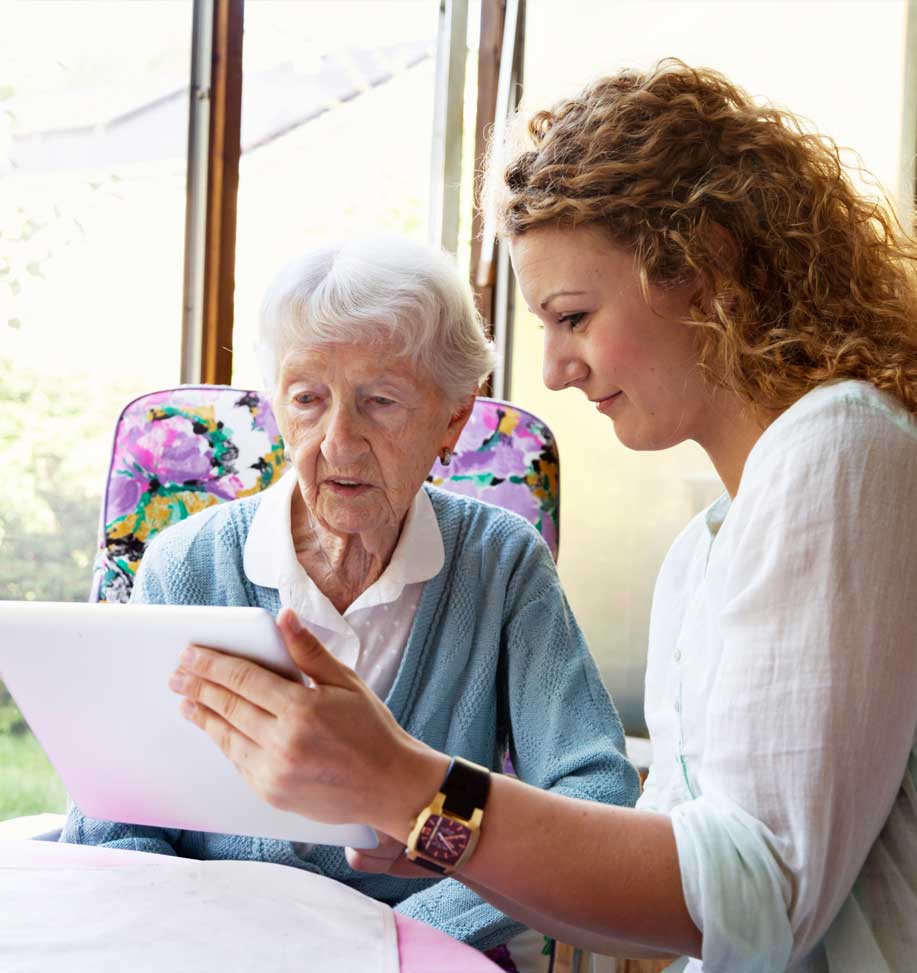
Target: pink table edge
x,y
421,948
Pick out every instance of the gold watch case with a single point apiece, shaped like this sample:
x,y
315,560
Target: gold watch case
x,y
470,829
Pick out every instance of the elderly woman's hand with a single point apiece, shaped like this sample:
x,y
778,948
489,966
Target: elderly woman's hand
x,y
387,858
331,750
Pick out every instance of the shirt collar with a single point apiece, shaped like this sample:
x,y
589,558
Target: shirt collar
x,y
269,558
715,514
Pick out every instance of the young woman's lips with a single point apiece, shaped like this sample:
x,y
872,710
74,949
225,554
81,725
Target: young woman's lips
x,y
604,405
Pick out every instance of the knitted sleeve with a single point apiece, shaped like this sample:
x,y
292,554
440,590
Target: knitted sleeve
x,y
565,734
81,830
460,913
189,563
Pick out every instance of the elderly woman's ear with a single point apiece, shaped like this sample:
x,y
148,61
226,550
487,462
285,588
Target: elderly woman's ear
x,y
460,415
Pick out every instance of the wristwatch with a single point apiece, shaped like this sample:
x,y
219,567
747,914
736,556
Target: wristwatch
x,y
446,831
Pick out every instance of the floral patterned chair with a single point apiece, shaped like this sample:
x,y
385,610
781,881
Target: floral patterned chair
x,y
178,451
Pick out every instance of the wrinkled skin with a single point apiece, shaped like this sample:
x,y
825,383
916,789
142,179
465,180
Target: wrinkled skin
x,y
363,428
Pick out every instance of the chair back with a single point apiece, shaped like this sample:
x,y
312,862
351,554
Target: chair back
x,y
180,450
508,457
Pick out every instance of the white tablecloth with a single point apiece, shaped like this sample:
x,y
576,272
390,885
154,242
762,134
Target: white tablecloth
x,y
70,911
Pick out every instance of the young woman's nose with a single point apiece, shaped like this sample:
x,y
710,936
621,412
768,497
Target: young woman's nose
x,y
344,442
561,367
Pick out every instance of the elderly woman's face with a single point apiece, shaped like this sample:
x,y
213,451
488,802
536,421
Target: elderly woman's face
x,y
363,429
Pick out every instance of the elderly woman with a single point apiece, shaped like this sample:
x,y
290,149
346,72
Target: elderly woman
x,y
448,608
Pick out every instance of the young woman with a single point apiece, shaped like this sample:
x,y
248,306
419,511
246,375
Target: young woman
x,y
704,270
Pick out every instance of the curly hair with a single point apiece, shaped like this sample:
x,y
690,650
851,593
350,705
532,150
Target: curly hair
x,y
801,279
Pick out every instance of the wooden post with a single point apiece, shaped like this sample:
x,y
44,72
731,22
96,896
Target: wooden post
x,y
489,47
222,189
492,276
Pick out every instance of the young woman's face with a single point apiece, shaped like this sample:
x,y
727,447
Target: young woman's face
x,y
637,363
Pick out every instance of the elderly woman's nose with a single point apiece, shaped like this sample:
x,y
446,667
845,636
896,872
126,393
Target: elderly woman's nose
x,y
560,368
344,440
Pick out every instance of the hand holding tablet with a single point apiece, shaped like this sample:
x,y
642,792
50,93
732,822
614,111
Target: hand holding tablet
x,y
329,748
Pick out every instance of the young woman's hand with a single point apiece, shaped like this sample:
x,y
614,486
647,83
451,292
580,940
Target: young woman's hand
x,y
331,750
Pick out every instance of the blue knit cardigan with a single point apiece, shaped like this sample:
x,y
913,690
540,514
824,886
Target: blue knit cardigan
x,y
495,663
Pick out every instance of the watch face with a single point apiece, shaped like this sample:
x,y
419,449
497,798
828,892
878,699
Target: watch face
x,y
443,839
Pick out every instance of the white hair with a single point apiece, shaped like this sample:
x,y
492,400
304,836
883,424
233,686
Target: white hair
x,y
383,289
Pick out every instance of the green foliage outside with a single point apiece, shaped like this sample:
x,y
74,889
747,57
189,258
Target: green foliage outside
x,y
11,721
54,437
50,499
28,784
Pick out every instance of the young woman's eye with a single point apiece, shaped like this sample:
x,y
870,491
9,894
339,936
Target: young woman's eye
x,y
572,320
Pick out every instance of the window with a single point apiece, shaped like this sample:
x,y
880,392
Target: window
x,y
93,133
337,111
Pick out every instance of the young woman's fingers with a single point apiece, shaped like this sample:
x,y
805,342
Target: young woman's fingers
x,y
311,656
258,685
239,748
249,719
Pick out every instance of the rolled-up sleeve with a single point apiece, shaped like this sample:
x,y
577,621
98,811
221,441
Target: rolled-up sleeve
x,y
735,889
809,717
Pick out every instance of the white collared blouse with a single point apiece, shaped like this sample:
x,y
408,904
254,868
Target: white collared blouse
x,y
781,695
371,634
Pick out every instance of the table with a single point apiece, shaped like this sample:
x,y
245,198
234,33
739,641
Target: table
x,y
420,948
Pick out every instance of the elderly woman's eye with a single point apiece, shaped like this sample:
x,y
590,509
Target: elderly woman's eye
x,y
305,398
381,400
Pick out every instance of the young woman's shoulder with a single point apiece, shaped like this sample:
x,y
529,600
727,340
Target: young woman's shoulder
x,y
839,464
841,421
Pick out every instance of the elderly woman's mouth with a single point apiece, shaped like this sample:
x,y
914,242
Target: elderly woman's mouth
x,y
347,487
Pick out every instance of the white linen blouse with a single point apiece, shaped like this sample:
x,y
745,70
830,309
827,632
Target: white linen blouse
x,y
781,694
371,635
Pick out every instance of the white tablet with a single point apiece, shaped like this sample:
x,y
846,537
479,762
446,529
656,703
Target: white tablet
x,y
92,683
